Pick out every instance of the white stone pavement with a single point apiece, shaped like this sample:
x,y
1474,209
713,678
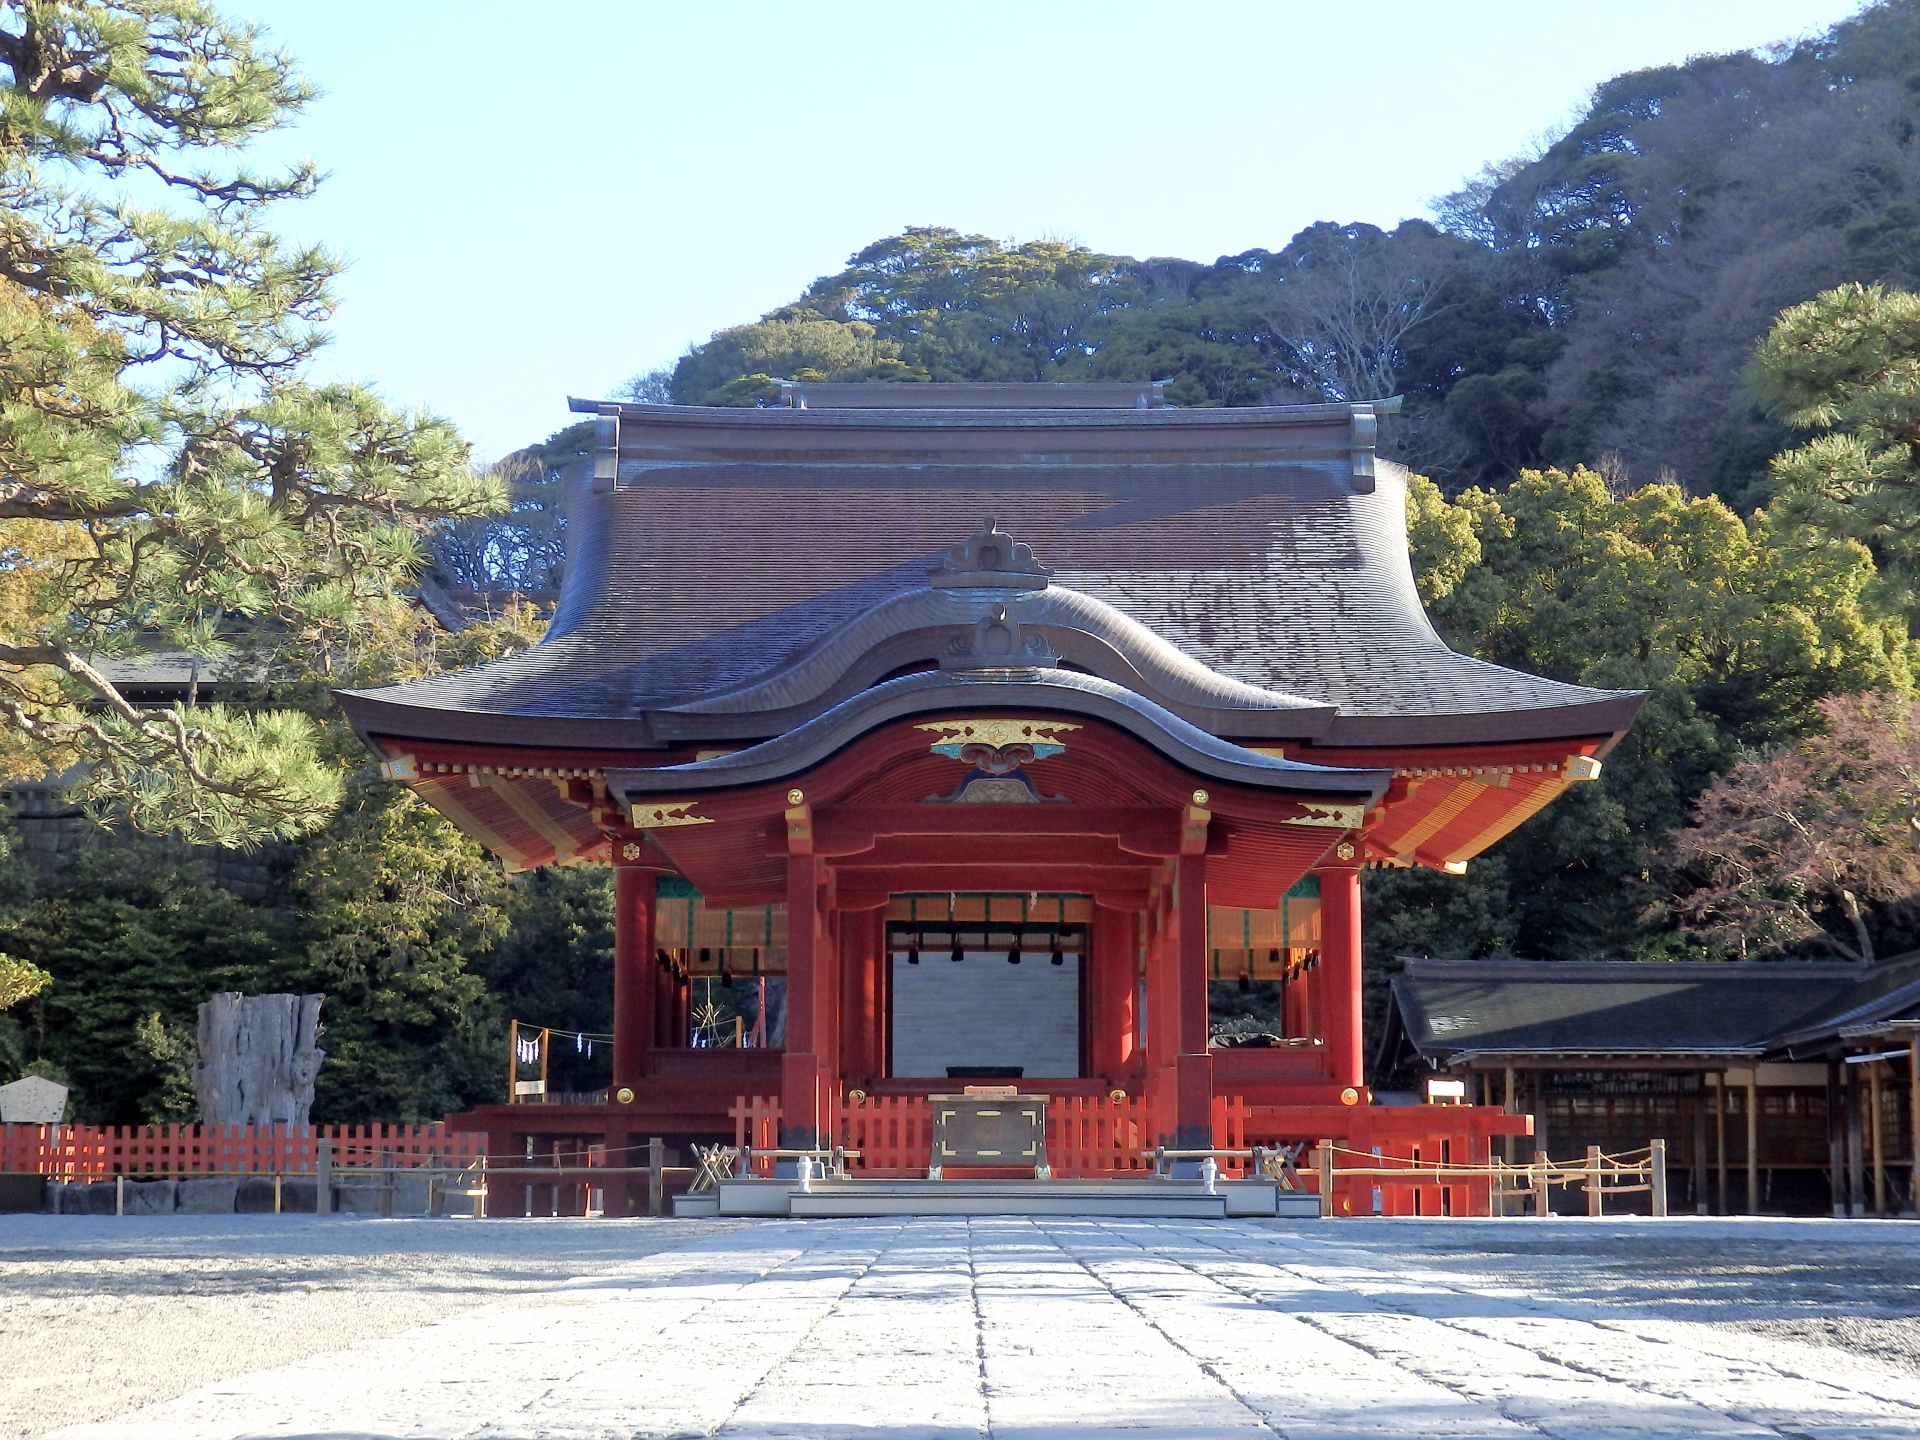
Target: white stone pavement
x,y
1065,1328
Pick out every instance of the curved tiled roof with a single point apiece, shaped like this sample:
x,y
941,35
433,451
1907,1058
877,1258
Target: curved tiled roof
x,y
735,572
1044,690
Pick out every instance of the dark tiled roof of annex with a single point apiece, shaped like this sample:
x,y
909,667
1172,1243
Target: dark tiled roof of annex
x,y
1453,1009
710,548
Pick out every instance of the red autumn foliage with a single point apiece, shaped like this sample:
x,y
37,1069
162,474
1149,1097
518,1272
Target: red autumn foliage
x,y
1814,844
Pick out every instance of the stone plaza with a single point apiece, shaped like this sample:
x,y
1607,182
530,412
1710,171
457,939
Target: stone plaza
x,y
191,1328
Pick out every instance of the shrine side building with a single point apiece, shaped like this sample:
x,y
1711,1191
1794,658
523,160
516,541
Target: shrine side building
x,y
987,797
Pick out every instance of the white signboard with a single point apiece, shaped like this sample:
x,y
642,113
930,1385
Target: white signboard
x,y
35,1100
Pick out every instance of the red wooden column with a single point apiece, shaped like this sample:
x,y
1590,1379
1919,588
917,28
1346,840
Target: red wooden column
x,y
800,1063
1193,1084
633,982
1339,988
861,1040
1160,1023
1110,988
879,993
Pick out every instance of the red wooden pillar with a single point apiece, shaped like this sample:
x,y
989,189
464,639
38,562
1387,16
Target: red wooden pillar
x,y
1159,1025
662,1002
879,993
800,1063
830,1022
1193,1104
1110,986
1339,989
633,972
860,995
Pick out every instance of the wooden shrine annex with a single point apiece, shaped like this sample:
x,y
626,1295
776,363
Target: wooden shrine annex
x,y
877,749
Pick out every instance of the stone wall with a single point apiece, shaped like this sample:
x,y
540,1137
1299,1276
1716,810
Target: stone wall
x,y
253,1195
51,829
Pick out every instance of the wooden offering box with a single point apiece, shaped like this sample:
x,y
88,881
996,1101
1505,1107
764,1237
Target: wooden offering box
x,y
989,1125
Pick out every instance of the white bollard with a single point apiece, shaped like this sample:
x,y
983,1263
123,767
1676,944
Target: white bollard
x,y
1209,1173
805,1171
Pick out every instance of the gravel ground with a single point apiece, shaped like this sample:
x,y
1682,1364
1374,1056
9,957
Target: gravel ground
x,y
100,1315
1852,1285
181,1328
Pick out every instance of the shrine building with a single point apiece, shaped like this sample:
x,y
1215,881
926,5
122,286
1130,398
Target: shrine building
x,y
985,799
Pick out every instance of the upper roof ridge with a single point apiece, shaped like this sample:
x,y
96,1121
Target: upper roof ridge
x,y
989,558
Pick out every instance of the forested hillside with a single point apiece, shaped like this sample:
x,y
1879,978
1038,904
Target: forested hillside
x,y
1662,381
1592,304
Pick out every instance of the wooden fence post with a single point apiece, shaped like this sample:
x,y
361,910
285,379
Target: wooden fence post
x,y
1594,1210
1657,1177
1542,1199
386,1184
1323,1162
119,1194
323,1179
656,1178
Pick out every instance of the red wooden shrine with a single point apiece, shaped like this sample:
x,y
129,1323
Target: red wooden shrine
x,y
1122,732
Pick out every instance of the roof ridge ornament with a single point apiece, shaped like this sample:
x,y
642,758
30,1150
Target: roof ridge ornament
x,y
989,559
999,645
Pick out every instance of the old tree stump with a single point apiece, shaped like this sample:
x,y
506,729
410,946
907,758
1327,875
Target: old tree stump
x,y
258,1058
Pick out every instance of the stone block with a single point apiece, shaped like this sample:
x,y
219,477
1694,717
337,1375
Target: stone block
x,y
357,1197
213,1195
22,1192
362,1194
297,1196
86,1198
410,1193
151,1197
255,1196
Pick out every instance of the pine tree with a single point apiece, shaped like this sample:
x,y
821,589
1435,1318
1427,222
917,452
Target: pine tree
x,y
169,475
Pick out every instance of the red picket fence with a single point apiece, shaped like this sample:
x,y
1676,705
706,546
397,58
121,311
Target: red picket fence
x,y
1087,1136
756,1122
893,1133
1090,1136
1094,1137
100,1152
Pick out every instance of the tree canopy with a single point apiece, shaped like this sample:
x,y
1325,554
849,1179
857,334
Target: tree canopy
x,y
168,477
1737,628
1846,364
1810,844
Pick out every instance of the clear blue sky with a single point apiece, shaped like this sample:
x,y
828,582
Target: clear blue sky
x,y
544,199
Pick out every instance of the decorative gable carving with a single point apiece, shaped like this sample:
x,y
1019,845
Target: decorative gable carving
x,y
989,559
998,642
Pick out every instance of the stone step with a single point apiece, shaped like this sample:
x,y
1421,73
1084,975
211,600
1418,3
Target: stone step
x,y
1173,1199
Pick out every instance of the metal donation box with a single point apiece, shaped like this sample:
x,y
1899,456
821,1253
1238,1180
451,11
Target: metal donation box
x,y
986,1128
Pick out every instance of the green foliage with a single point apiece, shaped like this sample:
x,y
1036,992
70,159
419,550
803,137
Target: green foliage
x,y
1681,210
169,1052
1343,312
554,967
135,937
20,980
1737,629
1441,540
1595,299
394,900
168,475
1848,363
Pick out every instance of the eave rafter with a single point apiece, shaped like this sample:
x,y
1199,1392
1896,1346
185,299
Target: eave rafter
x,y
1441,815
